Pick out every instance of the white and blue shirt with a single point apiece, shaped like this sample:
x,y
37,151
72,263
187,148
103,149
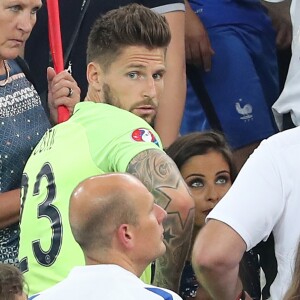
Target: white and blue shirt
x,y
109,282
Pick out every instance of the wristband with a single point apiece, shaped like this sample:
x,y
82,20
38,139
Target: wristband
x,y
241,296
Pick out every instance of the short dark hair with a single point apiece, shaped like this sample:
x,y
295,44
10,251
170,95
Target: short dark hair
x,y
199,143
131,25
11,282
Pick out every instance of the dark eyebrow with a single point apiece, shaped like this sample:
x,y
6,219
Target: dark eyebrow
x,y
140,66
223,171
162,70
195,174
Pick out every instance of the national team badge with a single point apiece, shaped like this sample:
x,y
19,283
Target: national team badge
x,y
144,135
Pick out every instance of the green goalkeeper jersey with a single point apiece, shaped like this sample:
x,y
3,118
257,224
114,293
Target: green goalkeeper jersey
x,y
97,139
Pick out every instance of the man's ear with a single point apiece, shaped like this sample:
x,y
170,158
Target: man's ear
x,y
94,75
126,236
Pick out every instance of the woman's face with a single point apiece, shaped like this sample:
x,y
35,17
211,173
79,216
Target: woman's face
x,y
17,18
208,178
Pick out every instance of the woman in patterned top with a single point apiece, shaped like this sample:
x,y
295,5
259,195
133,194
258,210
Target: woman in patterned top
x,y
23,120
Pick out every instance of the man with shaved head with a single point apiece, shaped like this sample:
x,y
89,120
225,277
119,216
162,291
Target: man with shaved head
x,y
115,221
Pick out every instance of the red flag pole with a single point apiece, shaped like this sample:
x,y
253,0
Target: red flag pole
x,y
56,48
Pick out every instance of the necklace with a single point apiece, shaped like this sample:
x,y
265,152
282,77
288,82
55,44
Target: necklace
x,y
6,72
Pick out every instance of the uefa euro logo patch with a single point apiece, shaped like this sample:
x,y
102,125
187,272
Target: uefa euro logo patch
x,y
144,135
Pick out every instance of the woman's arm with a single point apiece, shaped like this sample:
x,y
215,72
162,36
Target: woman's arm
x,y
9,208
171,104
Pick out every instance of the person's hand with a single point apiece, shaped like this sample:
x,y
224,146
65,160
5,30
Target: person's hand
x,y
281,19
284,34
62,90
197,43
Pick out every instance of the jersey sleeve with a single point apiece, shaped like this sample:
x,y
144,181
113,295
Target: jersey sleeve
x,y
125,136
127,146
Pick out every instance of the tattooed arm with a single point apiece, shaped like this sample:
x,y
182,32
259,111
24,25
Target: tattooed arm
x,y
160,175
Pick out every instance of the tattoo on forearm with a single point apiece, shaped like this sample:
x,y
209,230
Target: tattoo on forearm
x,y
160,175
169,267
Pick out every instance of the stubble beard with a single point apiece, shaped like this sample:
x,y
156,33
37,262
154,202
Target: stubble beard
x,y
108,98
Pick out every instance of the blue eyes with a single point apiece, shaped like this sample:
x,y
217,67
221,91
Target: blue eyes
x,y
196,183
222,180
17,8
157,76
135,75
199,182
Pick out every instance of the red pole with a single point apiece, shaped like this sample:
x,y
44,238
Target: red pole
x,y
56,48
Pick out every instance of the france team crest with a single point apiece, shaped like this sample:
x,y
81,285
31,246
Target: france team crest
x,y
144,135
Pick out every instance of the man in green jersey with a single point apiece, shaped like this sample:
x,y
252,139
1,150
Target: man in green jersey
x,y
108,132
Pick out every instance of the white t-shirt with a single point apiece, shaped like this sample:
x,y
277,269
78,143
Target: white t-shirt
x,y
289,100
109,282
266,197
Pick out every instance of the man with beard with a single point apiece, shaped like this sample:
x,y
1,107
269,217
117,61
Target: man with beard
x,y
77,17
111,132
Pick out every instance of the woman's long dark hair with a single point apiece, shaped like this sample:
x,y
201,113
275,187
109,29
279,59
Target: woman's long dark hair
x,y
199,143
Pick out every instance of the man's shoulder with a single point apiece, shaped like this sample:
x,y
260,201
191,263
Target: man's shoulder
x,y
113,124
107,112
284,140
94,107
